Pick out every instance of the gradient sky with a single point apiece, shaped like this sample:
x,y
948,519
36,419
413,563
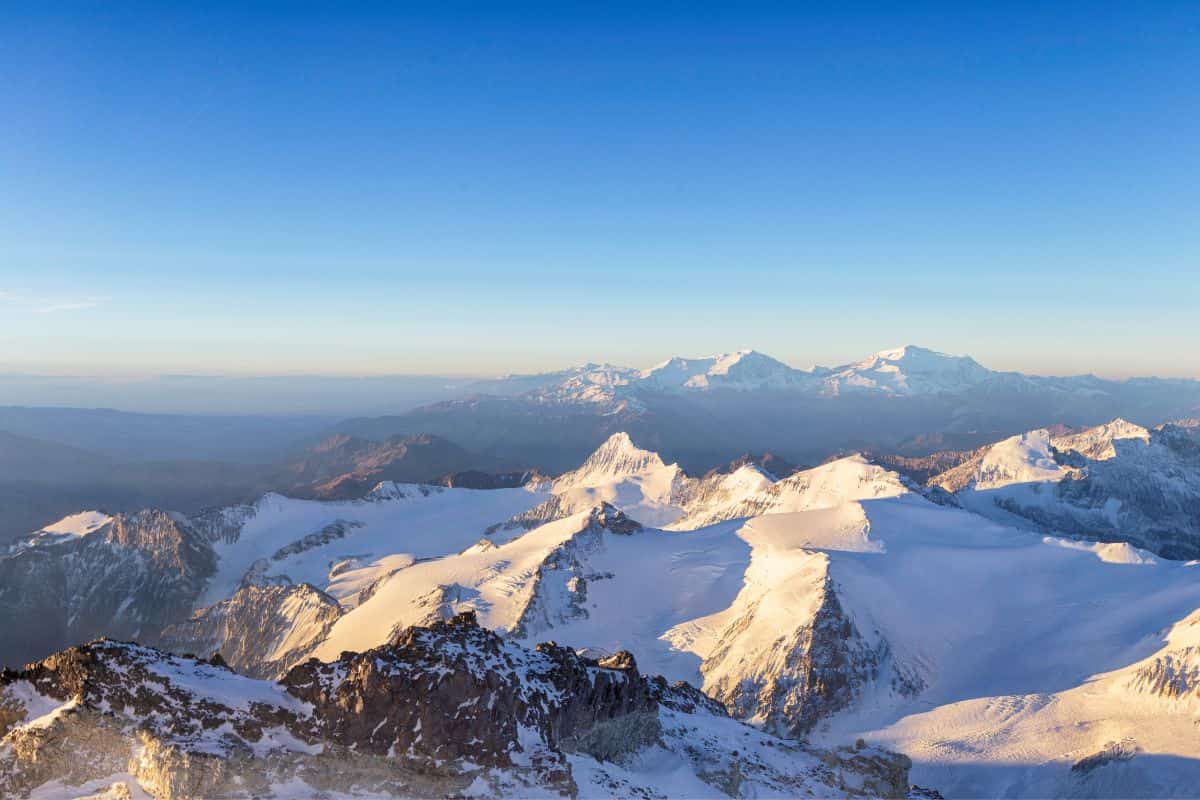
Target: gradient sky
x,y
349,188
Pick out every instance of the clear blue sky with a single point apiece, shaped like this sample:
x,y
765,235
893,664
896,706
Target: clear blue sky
x,y
473,188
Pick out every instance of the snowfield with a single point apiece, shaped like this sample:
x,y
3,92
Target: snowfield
x,y
1006,658
997,657
408,522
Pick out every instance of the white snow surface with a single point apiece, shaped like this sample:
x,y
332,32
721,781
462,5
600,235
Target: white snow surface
x,y
1025,458
908,370
635,480
402,523
79,524
1027,647
1097,443
1046,666
69,527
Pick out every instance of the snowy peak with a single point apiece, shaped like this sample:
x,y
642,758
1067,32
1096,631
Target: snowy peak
x,y
1096,443
79,524
741,370
617,459
845,480
1026,458
909,370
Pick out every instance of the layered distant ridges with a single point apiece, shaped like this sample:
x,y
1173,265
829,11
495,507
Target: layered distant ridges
x,y
903,371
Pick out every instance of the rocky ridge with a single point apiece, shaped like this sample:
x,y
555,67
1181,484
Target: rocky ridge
x,y
445,710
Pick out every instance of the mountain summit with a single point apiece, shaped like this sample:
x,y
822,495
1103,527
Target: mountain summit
x,y
705,411
910,370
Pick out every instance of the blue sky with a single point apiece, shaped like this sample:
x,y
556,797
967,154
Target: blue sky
x,y
479,188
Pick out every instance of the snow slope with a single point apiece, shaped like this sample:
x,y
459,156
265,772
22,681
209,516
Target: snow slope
x,y
69,527
844,480
1114,482
639,483
997,658
743,370
316,542
1096,443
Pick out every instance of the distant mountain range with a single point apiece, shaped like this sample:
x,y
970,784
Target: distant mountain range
x,y
704,411
41,481
698,412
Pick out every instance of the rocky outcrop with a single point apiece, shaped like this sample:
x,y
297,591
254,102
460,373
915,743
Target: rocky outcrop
x,y
443,708
127,579
365,699
477,479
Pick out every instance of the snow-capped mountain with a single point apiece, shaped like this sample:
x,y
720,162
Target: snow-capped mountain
x,y
1113,482
844,606
126,577
638,481
908,370
703,412
121,719
137,573
744,370
834,604
66,529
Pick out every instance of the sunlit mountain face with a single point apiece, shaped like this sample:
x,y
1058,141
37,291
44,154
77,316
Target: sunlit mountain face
x,y
845,622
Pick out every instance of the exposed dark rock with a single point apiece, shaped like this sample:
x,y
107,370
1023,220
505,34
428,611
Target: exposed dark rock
x,y
477,479
127,579
443,708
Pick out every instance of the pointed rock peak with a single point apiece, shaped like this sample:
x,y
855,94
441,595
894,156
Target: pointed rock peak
x,y
622,660
618,441
463,619
611,518
1123,426
621,446
1098,443
618,457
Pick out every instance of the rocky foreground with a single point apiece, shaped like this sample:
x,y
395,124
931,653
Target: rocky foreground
x,y
449,710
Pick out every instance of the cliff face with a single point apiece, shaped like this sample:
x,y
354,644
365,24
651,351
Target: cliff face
x,y
127,579
443,708
260,631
